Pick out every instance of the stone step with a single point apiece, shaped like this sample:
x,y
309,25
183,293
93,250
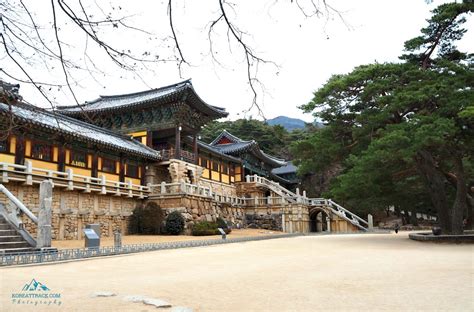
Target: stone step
x,y
6,226
11,238
8,245
7,232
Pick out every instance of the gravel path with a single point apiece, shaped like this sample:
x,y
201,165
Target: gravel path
x,y
371,272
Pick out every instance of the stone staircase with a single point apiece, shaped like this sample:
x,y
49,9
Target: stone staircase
x,y
10,240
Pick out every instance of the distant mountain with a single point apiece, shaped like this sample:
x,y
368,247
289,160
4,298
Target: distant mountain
x,y
290,123
287,122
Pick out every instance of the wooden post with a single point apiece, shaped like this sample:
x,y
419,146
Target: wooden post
x,y
195,150
177,147
149,139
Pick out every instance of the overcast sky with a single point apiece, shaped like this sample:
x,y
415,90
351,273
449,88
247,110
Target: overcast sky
x,y
307,50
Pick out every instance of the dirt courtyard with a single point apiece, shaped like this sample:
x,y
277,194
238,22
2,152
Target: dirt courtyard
x,y
369,272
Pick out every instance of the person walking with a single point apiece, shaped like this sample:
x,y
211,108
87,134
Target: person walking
x,y
397,227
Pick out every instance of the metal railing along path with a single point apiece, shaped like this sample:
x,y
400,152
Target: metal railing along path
x,y
39,257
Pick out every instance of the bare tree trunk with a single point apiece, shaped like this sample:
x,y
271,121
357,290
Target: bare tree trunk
x,y
470,208
435,182
413,219
460,203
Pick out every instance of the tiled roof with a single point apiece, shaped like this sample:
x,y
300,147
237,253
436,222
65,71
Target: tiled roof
x,y
239,146
77,129
289,168
182,91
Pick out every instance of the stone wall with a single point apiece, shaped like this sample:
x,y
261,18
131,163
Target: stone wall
x,y
197,208
72,210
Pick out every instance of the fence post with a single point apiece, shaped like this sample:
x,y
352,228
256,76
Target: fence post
x,y
129,186
5,173
370,220
29,171
70,182
247,178
44,215
88,185
103,189
163,188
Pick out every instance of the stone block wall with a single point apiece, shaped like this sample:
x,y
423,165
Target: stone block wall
x,y
196,208
72,210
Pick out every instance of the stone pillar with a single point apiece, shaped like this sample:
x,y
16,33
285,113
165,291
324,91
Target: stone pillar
x,y
117,239
370,220
328,220
44,216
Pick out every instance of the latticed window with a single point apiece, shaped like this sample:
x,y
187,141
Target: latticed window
x,y
79,159
108,165
225,168
42,151
215,166
132,170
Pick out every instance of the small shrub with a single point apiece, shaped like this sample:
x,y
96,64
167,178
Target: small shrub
x,y
174,223
204,228
146,219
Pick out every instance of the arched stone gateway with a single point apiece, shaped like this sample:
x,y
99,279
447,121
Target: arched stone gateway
x,y
319,220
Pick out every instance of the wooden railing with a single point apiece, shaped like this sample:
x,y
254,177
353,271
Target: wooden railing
x,y
167,154
69,180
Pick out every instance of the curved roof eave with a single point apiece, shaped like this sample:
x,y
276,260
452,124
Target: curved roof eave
x,y
184,89
61,123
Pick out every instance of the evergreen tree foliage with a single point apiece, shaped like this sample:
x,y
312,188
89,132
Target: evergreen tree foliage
x,y
403,132
174,223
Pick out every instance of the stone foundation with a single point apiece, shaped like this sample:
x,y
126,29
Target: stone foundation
x,y
72,210
196,208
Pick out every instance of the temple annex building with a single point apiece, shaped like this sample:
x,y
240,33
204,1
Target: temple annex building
x,y
111,154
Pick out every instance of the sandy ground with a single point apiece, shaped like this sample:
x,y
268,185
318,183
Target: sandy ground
x,y
149,239
371,272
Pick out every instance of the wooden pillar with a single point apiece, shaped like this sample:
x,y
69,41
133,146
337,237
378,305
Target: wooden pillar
x,y
177,145
220,170
20,150
122,169
195,150
61,158
149,139
95,165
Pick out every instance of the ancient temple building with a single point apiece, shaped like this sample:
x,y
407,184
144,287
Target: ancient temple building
x,y
111,154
